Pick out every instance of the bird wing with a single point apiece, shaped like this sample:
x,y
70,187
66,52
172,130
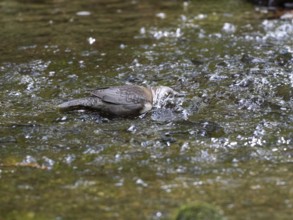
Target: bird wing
x,y
124,95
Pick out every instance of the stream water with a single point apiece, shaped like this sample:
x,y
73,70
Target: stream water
x,y
227,142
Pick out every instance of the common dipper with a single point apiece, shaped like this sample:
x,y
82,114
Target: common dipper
x,y
126,100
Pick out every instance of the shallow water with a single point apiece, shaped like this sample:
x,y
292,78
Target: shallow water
x,y
228,142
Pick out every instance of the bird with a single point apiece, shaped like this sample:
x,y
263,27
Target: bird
x,y
122,101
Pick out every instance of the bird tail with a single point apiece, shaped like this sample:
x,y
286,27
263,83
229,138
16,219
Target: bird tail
x,y
90,102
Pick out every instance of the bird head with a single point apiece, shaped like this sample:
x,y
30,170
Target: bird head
x,y
160,94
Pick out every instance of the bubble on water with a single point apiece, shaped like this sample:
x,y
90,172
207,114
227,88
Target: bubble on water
x,y
48,163
91,40
229,28
200,16
158,214
185,146
183,18
283,140
288,15
94,149
132,129
122,46
68,159
83,13
277,31
159,34
142,30
161,15
141,182
29,159
120,183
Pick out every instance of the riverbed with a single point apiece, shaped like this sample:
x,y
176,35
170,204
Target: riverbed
x,y
226,142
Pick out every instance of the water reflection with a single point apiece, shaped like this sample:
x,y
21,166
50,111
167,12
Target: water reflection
x,y
228,141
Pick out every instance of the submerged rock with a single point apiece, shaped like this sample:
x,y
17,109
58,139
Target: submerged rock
x,y
199,211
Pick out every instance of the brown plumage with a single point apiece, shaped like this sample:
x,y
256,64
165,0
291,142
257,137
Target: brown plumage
x,y
127,100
